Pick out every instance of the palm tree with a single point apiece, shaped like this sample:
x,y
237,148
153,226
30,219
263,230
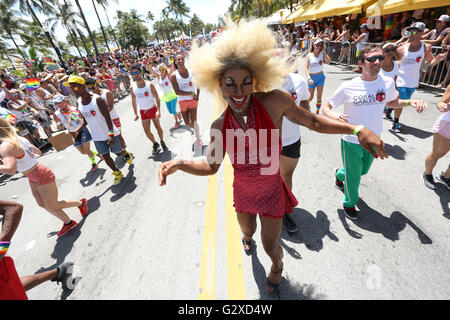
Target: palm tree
x,y
102,3
86,25
9,24
66,16
150,17
179,10
7,52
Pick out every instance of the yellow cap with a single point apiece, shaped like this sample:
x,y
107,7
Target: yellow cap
x,y
74,79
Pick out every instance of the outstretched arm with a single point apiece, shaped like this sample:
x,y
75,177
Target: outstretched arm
x,y
367,138
205,167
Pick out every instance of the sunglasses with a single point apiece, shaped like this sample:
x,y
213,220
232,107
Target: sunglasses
x,y
412,33
375,58
135,73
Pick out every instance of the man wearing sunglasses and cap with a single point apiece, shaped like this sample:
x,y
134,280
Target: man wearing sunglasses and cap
x,y
411,55
364,99
94,112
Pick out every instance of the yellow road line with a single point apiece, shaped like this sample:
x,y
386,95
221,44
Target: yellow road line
x,y
235,268
208,263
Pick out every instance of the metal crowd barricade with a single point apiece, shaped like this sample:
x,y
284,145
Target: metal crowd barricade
x,y
437,76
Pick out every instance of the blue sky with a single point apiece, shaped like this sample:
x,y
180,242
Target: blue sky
x,y
207,10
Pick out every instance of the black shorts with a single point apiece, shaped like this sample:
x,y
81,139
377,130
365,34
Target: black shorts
x,y
292,150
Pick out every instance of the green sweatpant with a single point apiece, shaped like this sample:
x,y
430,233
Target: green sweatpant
x,y
357,162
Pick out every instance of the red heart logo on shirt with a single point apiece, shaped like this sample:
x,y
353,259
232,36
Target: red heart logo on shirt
x,y
418,59
190,84
380,96
320,62
93,112
167,84
146,94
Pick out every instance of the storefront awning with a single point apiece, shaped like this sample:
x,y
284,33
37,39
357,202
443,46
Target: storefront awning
x,y
293,17
383,7
328,8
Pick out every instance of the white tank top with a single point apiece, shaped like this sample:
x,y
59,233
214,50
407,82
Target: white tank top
x,y
409,71
185,85
29,159
113,113
144,96
95,120
391,74
165,85
315,64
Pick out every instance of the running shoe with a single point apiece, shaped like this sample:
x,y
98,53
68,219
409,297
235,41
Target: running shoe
x,y
350,213
387,114
65,271
163,145
67,227
429,181
177,125
127,157
444,180
289,224
396,127
156,148
84,207
117,176
94,167
338,184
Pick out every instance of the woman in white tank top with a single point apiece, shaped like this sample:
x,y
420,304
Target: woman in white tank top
x,y
170,97
314,71
188,97
18,154
389,69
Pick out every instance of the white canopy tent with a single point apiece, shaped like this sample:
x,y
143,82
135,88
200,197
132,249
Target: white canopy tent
x,y
276,17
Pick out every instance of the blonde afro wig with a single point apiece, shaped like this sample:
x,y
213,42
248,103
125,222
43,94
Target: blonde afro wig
x,y
247,44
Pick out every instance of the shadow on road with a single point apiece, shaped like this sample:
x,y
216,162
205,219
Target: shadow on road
x,y
311,231
289,290
91,177
407,130
444,198
396,151
163,156
373,221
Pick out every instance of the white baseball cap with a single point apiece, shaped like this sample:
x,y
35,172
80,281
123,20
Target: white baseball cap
x,y
443,18
417,25
58,98
317,41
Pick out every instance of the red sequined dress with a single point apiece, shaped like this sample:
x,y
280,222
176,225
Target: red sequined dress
x,y
255,191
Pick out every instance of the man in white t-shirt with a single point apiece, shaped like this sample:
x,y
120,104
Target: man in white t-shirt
x,y
364,99
295,86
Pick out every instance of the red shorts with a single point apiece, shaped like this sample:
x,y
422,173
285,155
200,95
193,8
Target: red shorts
x,y
117,123
149,114
188,104
41,175
10,286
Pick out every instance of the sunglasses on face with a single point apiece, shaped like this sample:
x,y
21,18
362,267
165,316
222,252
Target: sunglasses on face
x,y
375,58
135,73
412,33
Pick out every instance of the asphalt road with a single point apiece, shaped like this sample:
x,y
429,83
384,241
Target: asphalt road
x,y
181,241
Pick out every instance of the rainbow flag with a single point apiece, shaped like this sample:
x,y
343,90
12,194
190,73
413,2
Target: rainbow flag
x,y
33,84
8,116
388,27
50,64
303,44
